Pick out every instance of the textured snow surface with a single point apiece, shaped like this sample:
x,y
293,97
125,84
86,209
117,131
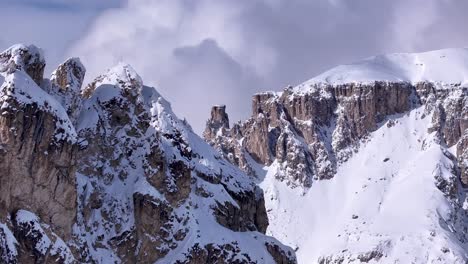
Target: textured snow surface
x,y
16,58
445,67
383,199
10,241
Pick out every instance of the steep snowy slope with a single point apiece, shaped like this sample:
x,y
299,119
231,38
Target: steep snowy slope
x,y
382,205
366,163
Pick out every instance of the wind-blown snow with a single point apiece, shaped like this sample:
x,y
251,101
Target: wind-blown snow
x,y
383,199
446,67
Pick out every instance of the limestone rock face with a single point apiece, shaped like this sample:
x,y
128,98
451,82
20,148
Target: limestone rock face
x,y
37,171
309,131
449,108
37,145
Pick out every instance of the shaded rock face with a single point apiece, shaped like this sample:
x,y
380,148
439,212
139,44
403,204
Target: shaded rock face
x,y
449,108
462,154
450,111
37,172
37,165
279,255
250,215
219,121
311,131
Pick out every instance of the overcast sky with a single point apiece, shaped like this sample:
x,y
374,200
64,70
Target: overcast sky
x,y
203,52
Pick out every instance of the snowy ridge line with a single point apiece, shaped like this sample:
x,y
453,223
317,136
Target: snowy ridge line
x,y
446,67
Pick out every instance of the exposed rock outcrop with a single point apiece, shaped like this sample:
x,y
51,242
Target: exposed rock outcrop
x,y
310,129
37,166
218,123
65,86
462,154
37,242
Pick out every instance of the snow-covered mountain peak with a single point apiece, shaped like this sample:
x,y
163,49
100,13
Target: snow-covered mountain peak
x,y
28,58
22,54
21,74
443,67
122,76
122,72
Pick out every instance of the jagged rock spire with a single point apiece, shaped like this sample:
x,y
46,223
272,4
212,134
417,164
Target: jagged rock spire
x,y
218,122
65,86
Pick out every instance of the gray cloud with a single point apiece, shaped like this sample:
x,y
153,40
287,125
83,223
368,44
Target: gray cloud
x,y
52,25
199,53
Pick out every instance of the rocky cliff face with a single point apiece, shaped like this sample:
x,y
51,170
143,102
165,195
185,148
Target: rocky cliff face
x,y
37,163
110,174
310,130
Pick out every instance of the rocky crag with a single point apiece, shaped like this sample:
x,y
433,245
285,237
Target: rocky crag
x,y
311,130
107,173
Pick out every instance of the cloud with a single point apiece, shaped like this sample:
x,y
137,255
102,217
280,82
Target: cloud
x,y
200,53
52,25
63,5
